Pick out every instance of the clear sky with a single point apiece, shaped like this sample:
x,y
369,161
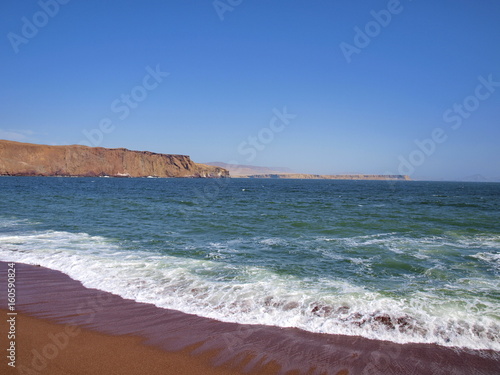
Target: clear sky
x,y
328,87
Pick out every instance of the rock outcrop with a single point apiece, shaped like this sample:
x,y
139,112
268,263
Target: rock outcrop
x,y
26,159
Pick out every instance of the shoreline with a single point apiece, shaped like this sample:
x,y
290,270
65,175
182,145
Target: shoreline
x,y
49,299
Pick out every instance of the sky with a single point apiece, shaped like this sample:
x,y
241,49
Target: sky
x,y
329,87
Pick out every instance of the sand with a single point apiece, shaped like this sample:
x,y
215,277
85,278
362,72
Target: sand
x,y
48,348
65,328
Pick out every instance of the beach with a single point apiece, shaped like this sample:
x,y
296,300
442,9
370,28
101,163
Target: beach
x,y
245,187
65,328
89,352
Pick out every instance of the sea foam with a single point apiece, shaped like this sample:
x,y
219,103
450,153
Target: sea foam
x,y
259,295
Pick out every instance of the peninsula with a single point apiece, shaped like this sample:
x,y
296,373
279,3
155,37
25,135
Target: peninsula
x,y
27,159
252,171
304,176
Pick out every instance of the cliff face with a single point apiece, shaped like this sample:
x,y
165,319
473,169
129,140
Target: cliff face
x,y
26,159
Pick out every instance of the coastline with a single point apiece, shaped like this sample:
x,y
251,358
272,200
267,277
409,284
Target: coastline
x,y
49,301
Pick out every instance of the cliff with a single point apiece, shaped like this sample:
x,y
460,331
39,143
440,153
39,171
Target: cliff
x,y
26,159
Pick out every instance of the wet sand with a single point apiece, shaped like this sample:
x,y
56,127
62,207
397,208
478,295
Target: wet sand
x,y
65,328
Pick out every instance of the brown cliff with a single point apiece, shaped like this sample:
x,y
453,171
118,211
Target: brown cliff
x,y
26,159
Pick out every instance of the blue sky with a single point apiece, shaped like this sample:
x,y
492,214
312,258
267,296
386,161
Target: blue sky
x,y
316,86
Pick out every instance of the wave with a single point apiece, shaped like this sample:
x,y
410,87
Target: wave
x,y
491,258
258,295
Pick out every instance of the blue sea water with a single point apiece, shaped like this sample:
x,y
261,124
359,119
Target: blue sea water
x,y
401,261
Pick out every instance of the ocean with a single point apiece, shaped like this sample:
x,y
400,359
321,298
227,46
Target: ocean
x,y
402,261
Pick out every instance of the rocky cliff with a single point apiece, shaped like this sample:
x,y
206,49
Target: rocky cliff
x,y
26,159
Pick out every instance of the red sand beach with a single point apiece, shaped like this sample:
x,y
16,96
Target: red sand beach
x,y
61,327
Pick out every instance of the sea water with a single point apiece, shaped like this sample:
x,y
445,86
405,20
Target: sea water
x,y
401,261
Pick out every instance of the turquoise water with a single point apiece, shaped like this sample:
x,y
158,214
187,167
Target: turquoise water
x,y
400,261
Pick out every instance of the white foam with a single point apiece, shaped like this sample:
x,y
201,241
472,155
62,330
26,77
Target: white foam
x,y
272,241
257,295
490,258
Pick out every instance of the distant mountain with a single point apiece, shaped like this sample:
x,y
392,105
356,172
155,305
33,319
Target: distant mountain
x,y
480,178
252,171
476,178
304,176
248,170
